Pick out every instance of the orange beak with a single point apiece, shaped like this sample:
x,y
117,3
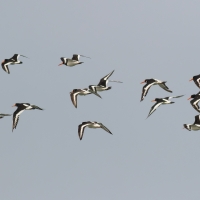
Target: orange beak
x,y
60,64
14,105
142,82
191,79
153,100
189,98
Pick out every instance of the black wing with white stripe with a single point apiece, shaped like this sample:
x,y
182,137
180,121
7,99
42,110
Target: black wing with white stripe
x,y
81,129
16,115
103,82
154,107
146,88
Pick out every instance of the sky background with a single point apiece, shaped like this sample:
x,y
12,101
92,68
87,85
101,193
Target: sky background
x,y
153,159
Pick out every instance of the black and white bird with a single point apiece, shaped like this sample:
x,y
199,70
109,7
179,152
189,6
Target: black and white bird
x,y
11,61
195,100
3,115
102,85
20,108
82,92
161,101
90,124
149,83
196,80
195,126
73,61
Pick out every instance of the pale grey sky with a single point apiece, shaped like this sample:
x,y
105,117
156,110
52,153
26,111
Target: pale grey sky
x,y
153,159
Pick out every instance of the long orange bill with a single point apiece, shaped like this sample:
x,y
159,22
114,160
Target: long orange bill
x,y
142,82
60,64
152,100
191,79
14,105
189,98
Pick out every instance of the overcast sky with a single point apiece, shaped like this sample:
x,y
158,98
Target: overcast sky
x,y
153,159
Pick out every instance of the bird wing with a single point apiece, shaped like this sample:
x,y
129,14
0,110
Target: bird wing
x,y
81,128
197,119
194,102
154,107
15,57
104,128
173,97
163,86
145,89
5,67
103,81
5,114
16,115
75,57
73,96
36,107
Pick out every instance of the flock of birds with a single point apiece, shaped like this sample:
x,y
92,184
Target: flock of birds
x,y
92,89
164,101
102,86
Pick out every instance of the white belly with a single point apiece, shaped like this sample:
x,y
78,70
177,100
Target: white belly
x,y
94,126
72,62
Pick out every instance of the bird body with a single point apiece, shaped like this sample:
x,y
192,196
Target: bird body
x,y
71,61
90,124
11,61
151,82
75,92
161,101
195,126
20,108
102,85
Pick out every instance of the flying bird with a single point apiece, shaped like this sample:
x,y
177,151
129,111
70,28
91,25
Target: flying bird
x,y
73,61
20,108
149,83
3,115
195,126
90,124
195,100
11,61
102,85
161,101
75,92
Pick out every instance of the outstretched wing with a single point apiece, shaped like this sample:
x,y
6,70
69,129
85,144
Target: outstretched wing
x,y
104,80
104,128
146,88
36,107
81,129
16,115
15,57
163,86
153,108
5,67
173,97
73,96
